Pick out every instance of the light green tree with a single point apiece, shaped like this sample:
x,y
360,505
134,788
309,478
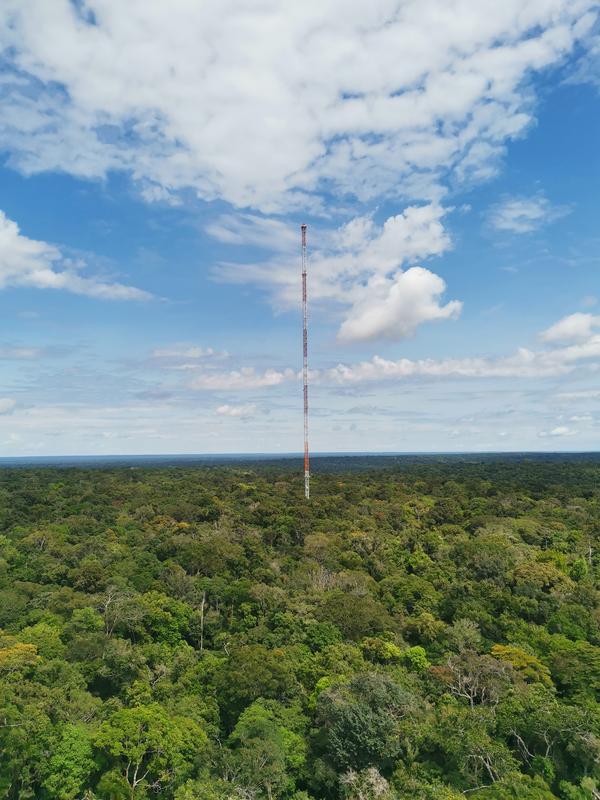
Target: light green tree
x,y
151,748
70,763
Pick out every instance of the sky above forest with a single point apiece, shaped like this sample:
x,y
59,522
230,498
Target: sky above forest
x,y
158,158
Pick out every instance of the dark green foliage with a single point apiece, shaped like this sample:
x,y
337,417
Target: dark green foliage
x,y
430,630
365,722
253,672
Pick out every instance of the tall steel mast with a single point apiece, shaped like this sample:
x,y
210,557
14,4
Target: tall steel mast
x,y
305,364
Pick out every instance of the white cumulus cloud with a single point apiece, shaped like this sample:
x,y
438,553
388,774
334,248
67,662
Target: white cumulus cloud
x,y
572,327
392,308
359,268
36,264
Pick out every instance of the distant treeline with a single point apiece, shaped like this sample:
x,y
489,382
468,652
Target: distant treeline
x,y
332,462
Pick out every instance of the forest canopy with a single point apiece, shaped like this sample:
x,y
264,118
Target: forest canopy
x,y
429,630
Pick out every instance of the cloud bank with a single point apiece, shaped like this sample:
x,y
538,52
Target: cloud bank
x,y
281,106
524,363
272,105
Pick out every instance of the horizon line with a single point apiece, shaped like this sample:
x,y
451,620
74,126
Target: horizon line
x,y
293,454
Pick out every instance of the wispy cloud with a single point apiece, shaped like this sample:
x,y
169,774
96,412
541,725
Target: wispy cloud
x,y
8,353
524,214
250,229
560,430
244,378
240,411
26,262
7,404
183,352
581,394
587,67
186,357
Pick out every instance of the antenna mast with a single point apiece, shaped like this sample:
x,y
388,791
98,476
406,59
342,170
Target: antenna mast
x,y
305,363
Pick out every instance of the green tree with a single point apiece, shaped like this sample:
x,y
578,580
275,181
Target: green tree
x,y
269,750
526,665
251,672
70,763
366,722
516,787
151,748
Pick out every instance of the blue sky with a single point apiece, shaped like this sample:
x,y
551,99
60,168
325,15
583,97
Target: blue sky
x,y
156,166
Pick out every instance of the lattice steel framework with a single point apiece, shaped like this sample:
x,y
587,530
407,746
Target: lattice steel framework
x,y
305,364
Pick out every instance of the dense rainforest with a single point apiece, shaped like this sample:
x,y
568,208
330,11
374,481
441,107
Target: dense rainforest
x,y
426,630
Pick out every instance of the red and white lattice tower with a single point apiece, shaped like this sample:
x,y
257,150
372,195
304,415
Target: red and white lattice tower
x,y
305,363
